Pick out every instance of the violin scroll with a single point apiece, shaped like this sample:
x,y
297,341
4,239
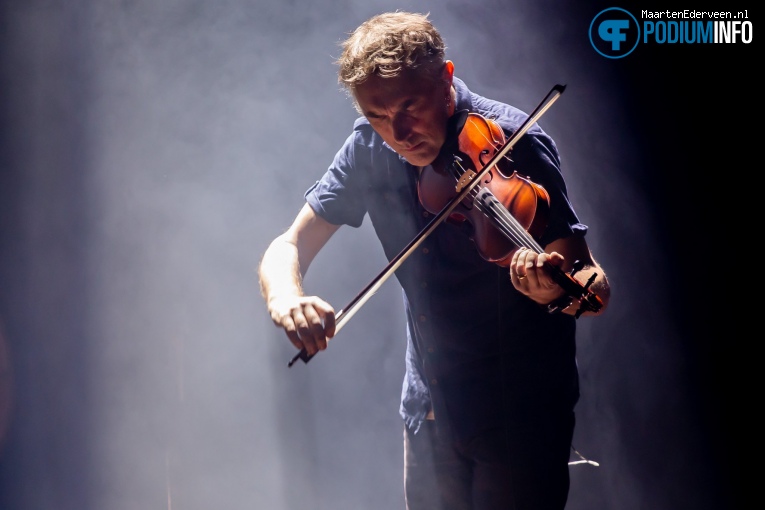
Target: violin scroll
x,y
588,301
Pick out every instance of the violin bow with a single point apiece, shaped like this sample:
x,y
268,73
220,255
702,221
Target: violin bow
x,y
345,314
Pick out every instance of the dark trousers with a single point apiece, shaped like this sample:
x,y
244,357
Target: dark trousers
x,y
521,467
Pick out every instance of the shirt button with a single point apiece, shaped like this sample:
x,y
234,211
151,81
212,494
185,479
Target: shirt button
x,y
424,285
434,382
425,251
431,350
425,214
423,318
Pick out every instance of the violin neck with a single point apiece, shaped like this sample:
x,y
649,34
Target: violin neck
x,y
506,223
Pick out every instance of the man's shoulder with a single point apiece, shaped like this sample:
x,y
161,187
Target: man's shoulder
x,y
509,117
365,149
505,114
361,123
363,134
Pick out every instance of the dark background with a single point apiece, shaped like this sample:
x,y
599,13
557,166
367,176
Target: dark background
x,y
148,154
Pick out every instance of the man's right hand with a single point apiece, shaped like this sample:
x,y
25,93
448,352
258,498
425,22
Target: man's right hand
x,y
309,321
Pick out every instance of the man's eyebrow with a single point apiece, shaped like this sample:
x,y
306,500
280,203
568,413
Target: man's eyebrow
x,y
403,105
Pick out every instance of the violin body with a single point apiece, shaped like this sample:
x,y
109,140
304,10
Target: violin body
x,y
463,156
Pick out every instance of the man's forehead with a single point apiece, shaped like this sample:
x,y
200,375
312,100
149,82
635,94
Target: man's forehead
x,y
377,92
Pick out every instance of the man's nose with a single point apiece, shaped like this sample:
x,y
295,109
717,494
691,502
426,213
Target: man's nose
x,y
402,128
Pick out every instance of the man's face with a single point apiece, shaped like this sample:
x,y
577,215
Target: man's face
x,y
408,112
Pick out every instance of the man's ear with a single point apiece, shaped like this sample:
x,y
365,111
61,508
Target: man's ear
x,y
448,73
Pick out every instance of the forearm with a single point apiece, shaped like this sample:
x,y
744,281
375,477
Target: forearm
x,y
279,270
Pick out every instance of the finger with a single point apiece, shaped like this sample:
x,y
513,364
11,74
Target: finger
x,y
530,259
516,256
305,332
327,314
516,261
544,277
534,265
329,323
555,259
525,262
517,280
315,326
289,327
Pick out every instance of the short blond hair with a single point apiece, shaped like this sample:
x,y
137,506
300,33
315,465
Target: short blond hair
x,y
389,43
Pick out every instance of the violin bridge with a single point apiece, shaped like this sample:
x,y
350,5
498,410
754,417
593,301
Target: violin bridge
x,y
465,179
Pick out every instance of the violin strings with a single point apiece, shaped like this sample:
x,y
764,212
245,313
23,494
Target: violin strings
x,y
501,217
505,221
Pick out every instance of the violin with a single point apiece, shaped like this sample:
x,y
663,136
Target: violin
x,y
472,141
518,205
506,210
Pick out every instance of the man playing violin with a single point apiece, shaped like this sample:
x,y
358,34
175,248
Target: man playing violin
x,y
491,379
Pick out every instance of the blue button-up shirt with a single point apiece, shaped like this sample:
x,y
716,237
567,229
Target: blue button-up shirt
x,y
479,353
